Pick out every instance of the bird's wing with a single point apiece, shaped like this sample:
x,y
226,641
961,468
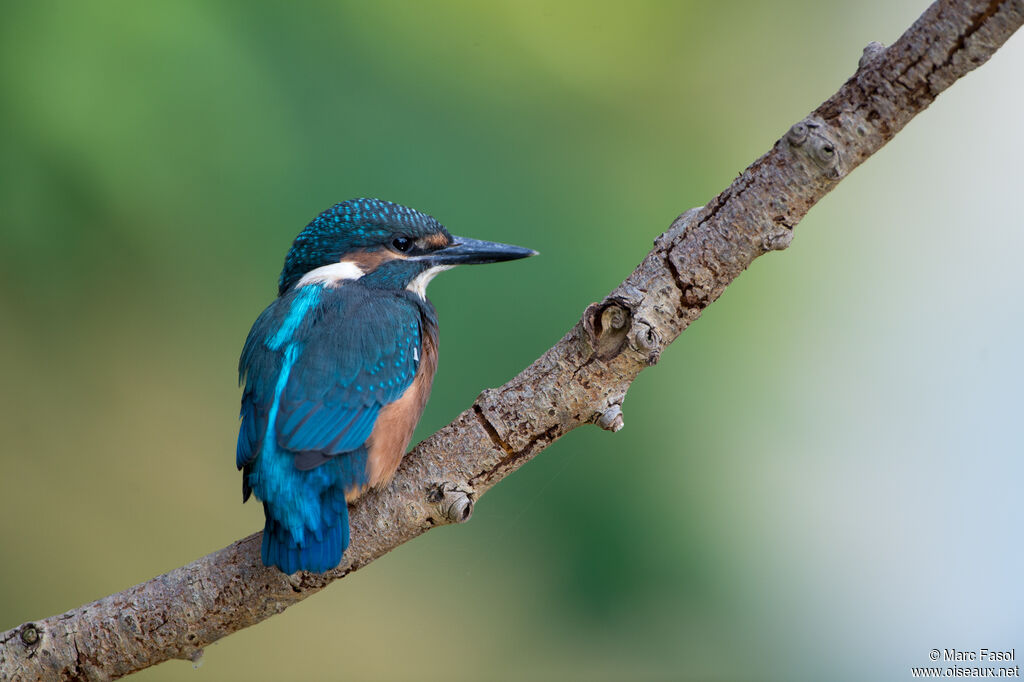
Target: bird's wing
x,y
361,354
351,354
258,368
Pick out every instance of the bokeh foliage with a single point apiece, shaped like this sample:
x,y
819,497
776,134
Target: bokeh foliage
x,y
804,479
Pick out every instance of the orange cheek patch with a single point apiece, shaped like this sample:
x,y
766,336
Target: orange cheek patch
x,y
368,261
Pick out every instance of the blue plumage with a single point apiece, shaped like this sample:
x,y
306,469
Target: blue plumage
x,y
346,341
319,365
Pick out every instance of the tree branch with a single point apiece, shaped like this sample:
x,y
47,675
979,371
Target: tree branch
x,y
583,379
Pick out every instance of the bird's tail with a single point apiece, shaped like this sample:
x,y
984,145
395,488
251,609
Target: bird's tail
x,y
319,551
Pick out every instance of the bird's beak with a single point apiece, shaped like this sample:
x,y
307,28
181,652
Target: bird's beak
x,y
465,251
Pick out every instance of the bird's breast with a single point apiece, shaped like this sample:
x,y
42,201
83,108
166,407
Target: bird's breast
x,y
397,420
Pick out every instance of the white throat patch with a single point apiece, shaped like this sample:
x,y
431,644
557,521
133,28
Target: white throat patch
x,y
419,283
333,274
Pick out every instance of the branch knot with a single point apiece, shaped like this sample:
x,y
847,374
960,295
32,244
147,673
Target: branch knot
x,y
607,325
810,137
30,634
454,501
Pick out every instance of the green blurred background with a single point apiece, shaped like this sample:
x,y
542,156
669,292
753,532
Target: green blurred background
x,y
820,480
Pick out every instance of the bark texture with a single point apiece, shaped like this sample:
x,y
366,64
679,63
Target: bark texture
x,y
583,379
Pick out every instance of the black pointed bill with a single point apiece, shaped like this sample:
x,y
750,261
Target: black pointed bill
x,y
465,251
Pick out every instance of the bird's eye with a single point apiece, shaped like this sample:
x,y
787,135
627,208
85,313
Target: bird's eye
x,y
402,244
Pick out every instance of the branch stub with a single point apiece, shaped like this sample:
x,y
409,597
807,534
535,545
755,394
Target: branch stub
x,y
611,419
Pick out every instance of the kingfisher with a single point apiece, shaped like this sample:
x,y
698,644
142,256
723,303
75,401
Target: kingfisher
x,y
337,370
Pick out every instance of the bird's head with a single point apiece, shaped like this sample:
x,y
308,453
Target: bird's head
x,y
384,245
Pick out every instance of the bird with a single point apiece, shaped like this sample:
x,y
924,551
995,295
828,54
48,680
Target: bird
x,y
336,371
